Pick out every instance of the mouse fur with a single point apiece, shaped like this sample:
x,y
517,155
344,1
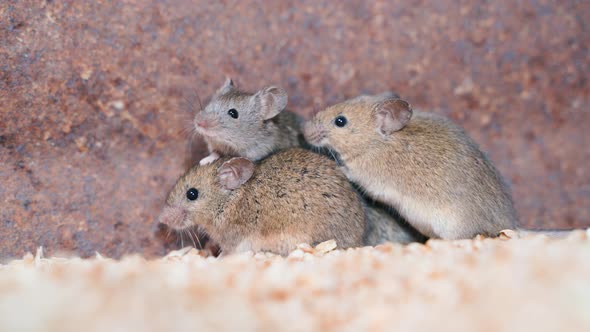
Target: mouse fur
x,y
421,164
257,126
293,196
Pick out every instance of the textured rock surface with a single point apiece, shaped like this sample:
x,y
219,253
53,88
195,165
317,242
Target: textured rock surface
x,y
92,97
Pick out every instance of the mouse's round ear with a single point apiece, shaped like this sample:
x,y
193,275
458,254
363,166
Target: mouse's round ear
x,y
392,115
388,95
235,172
366,98
272,101
227,86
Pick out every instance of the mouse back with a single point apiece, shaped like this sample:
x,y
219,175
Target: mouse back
x,y
295,196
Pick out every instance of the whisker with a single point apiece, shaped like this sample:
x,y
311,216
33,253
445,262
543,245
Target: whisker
x,y
332,153
200,232
196,96
197,236
199,100
193,134
190,104
187,127
190,236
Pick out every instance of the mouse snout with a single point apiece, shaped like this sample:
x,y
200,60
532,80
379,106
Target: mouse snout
x,y
314,132
203,122
172,216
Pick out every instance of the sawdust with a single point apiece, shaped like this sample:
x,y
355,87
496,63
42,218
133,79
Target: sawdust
x,y
505,284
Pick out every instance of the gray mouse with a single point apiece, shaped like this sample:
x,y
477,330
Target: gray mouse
x,y
236,123
293,196
383,226
421,164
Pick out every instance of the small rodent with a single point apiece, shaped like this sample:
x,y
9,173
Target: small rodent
x,y
251,125
293,196
421,164
382,226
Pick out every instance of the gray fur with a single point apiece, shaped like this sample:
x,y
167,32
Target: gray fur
x,y
262,126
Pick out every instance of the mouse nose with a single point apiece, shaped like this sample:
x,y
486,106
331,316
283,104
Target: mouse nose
x,y
172,216
205,123
313,132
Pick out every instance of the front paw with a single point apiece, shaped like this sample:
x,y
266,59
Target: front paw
x,y
209,159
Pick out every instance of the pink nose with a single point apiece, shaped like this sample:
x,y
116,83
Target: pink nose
x,y
172,216
313,132
203,124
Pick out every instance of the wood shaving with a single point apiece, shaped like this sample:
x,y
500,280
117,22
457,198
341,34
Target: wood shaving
x,y
534,283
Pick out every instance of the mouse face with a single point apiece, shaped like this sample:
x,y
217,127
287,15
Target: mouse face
x,y
235,119
352,126
191,199
199,196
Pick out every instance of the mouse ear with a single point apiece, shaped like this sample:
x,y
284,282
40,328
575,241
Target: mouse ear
x,y
272,101
235,172
365,98
392,115
388,95
227,86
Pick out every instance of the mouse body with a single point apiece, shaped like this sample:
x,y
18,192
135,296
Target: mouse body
x,y
293,196
236,123
383,226
421,164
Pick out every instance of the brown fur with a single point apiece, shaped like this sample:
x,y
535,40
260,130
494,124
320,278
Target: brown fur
x,y
294,196
431,171
262,126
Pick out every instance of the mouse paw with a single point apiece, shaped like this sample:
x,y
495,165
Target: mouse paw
x,y
209,159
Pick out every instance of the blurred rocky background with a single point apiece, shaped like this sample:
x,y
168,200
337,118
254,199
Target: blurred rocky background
x,y
94,97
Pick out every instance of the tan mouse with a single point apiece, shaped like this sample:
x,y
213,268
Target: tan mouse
x,y
293,196
251,125
421,164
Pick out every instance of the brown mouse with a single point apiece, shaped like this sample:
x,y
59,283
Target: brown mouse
x,y
236,123
421,164
293,196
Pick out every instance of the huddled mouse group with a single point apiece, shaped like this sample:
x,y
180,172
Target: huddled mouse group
x,y
363,172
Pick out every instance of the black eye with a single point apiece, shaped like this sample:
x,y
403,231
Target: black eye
x,y
340,121
233,113
192,194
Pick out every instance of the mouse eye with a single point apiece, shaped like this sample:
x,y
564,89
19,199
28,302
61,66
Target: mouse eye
x,y
192,194
340,121
233,113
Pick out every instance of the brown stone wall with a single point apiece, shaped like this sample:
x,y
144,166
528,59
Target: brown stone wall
x,y
93,114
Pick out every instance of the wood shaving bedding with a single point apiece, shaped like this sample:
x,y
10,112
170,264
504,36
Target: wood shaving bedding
x,y
505,284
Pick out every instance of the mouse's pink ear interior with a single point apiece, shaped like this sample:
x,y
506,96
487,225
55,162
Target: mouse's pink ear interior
x,y
392,115
272,101
235,172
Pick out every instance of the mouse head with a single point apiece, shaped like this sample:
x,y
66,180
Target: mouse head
x,y
198,197
351,126
234,117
